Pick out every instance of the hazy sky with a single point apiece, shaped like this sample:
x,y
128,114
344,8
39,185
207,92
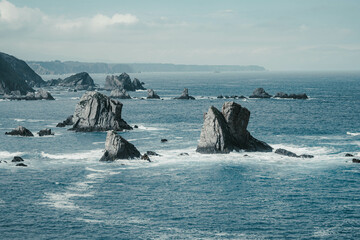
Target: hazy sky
x,y
277,34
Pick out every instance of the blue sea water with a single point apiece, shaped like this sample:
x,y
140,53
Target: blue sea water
x,y
65,192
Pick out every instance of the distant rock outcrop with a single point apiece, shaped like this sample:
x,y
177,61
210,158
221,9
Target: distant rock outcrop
x,y
97,112
292,96
123,81
17,159
185,95
260,93
21,70
119,93
117,147
226,131
152,94
79,81
20,131
38,95
285,152
68,121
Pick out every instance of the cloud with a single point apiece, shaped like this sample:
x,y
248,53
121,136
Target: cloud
x,y
14,18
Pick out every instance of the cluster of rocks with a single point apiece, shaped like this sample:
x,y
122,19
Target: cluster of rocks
x,y
261,93
38,95
123,81
232,96
185,95
79,81
354,160
18,160
284,152
225,131
24,132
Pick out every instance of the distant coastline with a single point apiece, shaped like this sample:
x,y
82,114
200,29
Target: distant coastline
x,y
58,67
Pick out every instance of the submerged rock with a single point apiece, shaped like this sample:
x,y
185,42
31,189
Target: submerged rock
x,y
185,95
152,94
21,165
97,112
260,93
20,131
225,131
17,159
120,93
292,96
145,157
349,155
163,140
45,132
152,153
285,152
356,160
117,147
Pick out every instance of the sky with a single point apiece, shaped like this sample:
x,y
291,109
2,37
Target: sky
x,y
278,34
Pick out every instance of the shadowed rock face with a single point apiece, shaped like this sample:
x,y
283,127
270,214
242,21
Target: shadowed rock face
x,y
226,131
79,81
185,95
123,81
117,147
152,94
215,135
260,93
22,71
120,93
97,112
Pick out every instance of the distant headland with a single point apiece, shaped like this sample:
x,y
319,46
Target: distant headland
x,y
58,67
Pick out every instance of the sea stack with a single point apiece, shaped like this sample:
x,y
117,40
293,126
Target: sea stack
x,y
226,131
123,81
119,93
152,94
185,95
116,147
97,112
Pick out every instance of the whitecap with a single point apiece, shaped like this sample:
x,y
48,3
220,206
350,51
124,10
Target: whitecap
x,y
142,127
353,133
92,154
19,119
6,154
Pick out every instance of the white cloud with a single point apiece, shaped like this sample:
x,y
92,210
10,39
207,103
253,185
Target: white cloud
x,y
12,17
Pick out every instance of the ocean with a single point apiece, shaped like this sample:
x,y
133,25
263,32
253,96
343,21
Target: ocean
x,y
66,193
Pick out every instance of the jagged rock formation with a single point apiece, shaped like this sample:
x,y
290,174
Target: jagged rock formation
x,y
260,93
292,95
138,85
117,147
97,112
226,131
285,152
152,94
123,81
119,93
18,72
79,81
45,132
185,95
20,131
